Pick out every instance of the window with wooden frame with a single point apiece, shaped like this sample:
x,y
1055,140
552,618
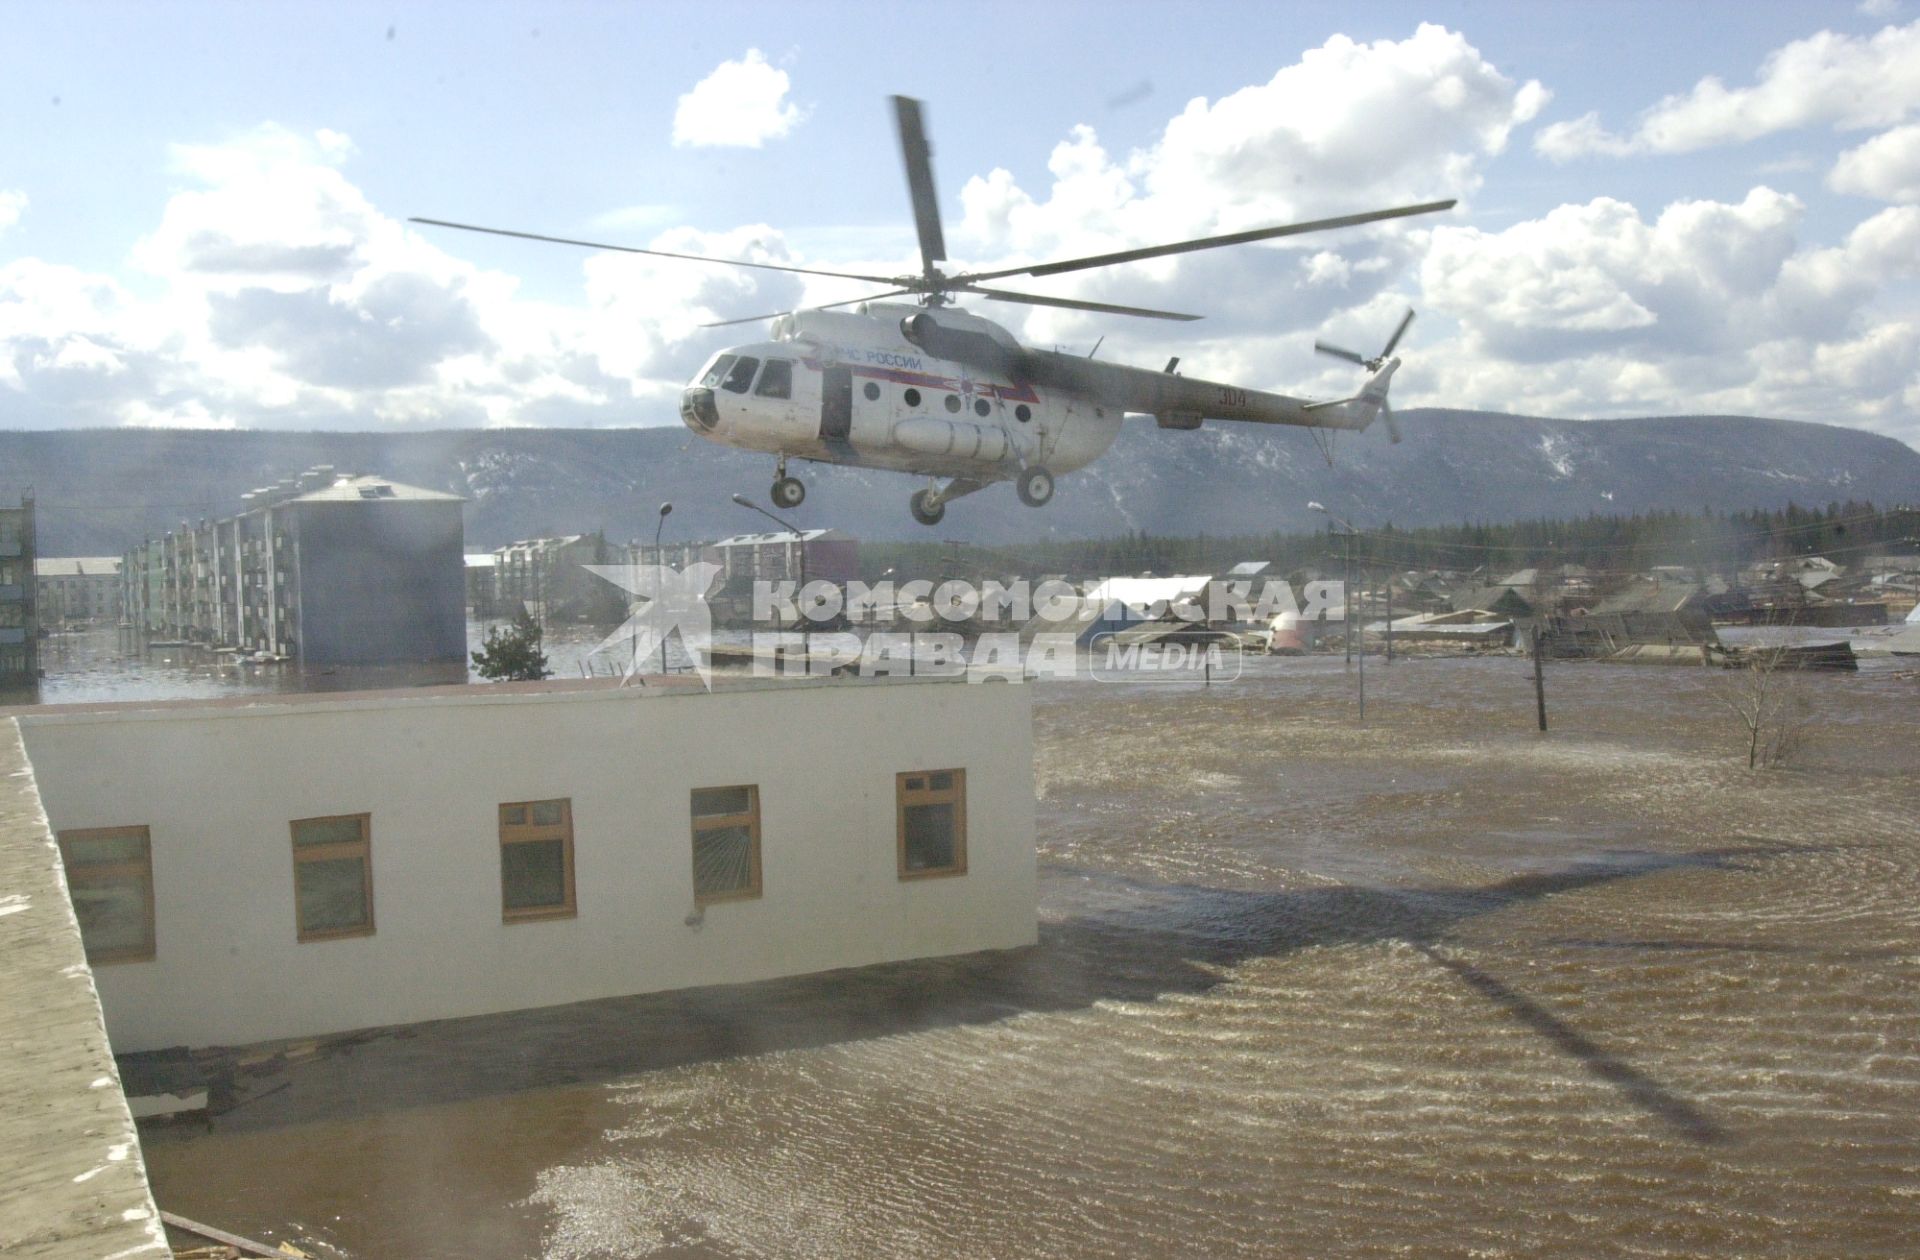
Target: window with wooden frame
x,y
536,860
110,878
726,844
333,877
932,829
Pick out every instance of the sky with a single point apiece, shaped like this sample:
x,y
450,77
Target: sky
x,y
1664,209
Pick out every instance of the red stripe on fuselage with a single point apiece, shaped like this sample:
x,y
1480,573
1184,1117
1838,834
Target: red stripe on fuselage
x,y
1008,393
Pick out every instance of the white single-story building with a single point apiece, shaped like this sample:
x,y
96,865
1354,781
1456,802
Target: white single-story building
x,y
251,870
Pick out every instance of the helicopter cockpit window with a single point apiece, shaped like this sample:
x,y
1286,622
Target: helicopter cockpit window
x,y
742,375
776,379
718,372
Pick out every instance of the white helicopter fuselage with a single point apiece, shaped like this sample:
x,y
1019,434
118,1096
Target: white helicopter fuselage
x,y
843,388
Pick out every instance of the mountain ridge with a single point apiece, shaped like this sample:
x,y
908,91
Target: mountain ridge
x,y
101,490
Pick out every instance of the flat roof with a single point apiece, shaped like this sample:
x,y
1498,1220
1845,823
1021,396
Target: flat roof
x,y
369,490
757,540
548,690
77,566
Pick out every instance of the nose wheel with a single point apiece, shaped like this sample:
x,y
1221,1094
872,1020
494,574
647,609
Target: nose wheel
x,y
788,492
925,508
1034,486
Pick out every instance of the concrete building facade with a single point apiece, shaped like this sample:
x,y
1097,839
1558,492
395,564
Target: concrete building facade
x,y
324,863
19,626
330,570
824,555
72,589
549,578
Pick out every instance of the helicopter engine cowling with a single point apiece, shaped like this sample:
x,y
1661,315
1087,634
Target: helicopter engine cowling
x,y
952,438
975,349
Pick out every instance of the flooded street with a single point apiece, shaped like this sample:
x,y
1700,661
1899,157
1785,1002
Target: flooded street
x,y
1435,986
95,665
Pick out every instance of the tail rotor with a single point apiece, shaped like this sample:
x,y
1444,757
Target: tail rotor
x,y
1381,366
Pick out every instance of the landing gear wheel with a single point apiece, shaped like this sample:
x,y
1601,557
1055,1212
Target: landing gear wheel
x,y
789,492
922,511
1034,486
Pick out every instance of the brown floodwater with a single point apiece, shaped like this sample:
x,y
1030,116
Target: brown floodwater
x,y
1435,986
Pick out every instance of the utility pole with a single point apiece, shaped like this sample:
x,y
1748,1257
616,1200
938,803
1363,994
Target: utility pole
x,y
1346,594
1348,604
1539,678
1389,613
1363,654
658,561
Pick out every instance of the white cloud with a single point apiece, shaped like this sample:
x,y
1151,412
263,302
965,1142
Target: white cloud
x,y
1594,310
1878,8
1848,82
1886,167
1348,127
742,104
12,206
281,297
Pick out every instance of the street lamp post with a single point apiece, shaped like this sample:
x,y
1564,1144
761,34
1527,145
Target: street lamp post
x,y
1347,531
800,541
666,509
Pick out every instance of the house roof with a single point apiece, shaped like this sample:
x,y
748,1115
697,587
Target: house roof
x,y
77,566
371,489
755,540
1497,598
1139,592
1650,596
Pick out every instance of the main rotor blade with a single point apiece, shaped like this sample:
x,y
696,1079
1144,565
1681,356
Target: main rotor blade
x,y
824,306
1397,334
1075,304
918,156
658,253
1206,242
1340,353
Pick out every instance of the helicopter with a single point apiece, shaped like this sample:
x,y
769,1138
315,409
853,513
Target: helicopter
x,y
922,387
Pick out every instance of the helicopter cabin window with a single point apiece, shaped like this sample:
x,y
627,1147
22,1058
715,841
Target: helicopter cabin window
x,y
932,822
953,402
911,398
742,375
776,379
718,372
1023,413
982,408
872,392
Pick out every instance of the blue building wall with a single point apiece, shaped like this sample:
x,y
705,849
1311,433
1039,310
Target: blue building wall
x,y
380,583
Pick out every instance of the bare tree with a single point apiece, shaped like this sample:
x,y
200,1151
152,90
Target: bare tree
x,y
1766,693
